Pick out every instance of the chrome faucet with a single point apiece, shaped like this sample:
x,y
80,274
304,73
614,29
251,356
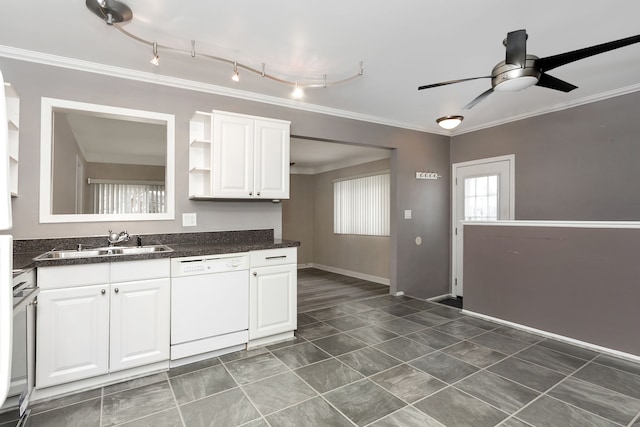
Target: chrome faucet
x,y
117,238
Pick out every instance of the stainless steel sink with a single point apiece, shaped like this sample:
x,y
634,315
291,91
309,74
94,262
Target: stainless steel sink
x,y
113,250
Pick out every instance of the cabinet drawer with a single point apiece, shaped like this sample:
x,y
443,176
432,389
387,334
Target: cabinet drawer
x,y
66,276
127,271
273,257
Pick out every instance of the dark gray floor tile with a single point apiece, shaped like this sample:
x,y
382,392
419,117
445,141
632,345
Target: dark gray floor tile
x,y
444,311
433,339
198,384
377,302
339,344
479,323
408,383
314,412
275,393
528,374
347,323
369,361
444,367
9,416
571,350
497,391
401,326
255,368
613,379
399,310
13,423
314,331
551,359
518,334
286,343
328,375
636,423
326,313
65,401
372,334
513,422
427,318
169,418
124,406
375,316
454,408
305,319
243,354
397,298
407,417
229,408
609,404
618,363
501,343
549,412
191,367
83,414
256,423
459,329
300,355
421,305
135,383
364,402
354,307
475,354
404,349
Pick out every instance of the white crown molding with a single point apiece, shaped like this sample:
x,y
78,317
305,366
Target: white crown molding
x,y
558,107
125,73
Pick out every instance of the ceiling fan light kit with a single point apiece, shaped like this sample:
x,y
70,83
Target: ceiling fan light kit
x,y
113,12
449,122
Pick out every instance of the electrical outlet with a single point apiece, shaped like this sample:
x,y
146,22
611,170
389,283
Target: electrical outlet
x,y
407,214
189,219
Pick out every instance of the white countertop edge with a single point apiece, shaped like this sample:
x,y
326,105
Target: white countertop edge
x,y
566,224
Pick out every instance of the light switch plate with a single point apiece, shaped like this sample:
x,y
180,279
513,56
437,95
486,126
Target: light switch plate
x,y
407,214
189,219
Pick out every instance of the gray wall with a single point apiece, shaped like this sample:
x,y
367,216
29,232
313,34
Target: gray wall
x,y
418,270
577,282
361,254
298,216
575,164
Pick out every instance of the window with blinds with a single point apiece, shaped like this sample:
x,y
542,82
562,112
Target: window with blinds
x,y
112,197
361,205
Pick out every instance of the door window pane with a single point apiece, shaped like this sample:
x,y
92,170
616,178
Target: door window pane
x,y
481,198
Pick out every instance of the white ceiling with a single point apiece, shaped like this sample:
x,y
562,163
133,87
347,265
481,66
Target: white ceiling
x,y
402,44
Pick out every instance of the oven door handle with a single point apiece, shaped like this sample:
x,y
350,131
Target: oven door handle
x,y
27,297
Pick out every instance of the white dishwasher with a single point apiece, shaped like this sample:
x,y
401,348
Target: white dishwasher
x,y
209,305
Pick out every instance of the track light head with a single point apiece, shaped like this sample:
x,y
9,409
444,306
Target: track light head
x,y
156,59
236,74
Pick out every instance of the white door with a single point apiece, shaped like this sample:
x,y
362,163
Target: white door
x,y
232,161
272,300
73,334
139,323
483,190
271,176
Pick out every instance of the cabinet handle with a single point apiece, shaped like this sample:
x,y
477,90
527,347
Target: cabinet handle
x,y
251,193
103,291
116,290
275,257
258,193
255,274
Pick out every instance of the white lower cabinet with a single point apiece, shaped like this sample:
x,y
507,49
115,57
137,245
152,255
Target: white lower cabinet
x,y
89,330
272,293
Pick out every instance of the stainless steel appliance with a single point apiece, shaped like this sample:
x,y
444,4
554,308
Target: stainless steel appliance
x,y
209,306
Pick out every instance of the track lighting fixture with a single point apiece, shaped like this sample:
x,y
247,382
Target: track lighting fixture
x,y
236,75
114,12
297,93
156,59
449,122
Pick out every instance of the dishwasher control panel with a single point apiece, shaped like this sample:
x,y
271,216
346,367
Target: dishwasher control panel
x,y
192,266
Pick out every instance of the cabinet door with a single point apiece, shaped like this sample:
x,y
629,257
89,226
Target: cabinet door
x,y
72,334
139,323
272,300
232,174
271,176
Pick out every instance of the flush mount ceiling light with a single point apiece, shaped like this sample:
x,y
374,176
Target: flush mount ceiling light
x,y
114,12
449,122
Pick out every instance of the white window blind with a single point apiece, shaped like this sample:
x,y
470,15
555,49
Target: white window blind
x,y
113,197
361,205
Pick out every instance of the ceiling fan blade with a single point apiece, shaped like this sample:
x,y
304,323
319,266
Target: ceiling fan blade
x,y
551,62
551,82
478,98
516,48
451,82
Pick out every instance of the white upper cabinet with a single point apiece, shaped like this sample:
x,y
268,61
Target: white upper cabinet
x,y
13,125
235,156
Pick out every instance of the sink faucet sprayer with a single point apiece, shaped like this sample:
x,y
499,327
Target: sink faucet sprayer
x,y
117,238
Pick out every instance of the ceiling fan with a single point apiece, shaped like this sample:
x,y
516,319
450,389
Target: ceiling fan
x,y
519,71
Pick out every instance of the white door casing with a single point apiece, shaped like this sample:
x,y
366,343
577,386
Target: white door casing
x,y
471,172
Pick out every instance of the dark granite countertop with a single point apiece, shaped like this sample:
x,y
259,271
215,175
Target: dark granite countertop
x,y
183,245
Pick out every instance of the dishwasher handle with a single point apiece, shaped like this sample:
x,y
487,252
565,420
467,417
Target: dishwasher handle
x,y
276,257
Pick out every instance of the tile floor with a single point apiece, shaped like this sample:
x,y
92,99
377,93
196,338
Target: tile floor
x,y
382,361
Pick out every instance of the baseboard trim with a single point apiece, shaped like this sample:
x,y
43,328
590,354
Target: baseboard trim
x,y
547,334
355,274
440,297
